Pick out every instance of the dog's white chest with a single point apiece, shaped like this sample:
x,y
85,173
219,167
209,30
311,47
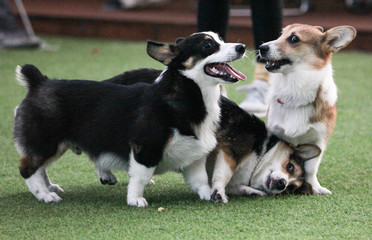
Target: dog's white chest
x,y
293,125
181,151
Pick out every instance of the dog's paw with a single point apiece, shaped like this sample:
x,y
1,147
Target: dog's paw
x,y
137,202
108,178
321,191
248,191
48,197
55,188
204,193
219,197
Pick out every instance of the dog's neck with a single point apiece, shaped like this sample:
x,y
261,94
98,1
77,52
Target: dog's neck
x,y
300,87
204,96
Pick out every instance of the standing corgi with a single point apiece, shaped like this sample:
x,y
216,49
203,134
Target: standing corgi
x,y
303,95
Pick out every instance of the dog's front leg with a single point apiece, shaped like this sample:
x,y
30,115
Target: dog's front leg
x,y
244,190
139,177
196,176
222,174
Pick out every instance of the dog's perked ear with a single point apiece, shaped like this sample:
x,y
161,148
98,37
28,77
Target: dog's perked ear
x,y
339,37
308,151
162,52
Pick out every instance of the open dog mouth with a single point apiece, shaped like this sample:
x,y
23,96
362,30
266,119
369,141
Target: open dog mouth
x,y
224,71
272,65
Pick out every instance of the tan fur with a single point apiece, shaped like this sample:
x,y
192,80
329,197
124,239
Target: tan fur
x,y
324,113
297,172
232,162
311,44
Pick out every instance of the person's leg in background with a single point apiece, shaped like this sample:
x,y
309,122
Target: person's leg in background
x,y
213,15
267,21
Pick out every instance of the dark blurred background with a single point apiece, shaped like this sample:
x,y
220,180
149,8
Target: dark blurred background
x,y
165,20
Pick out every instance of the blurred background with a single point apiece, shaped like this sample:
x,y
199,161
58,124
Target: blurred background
x,y
165,20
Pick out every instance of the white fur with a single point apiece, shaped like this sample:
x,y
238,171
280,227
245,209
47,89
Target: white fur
x,y
107,161
253,172
226,53
291,120
195,175
222,174
297,90
139,177
39,183
158,79
21,79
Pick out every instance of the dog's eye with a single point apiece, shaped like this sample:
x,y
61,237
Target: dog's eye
x,y
290,168
208,44
293,39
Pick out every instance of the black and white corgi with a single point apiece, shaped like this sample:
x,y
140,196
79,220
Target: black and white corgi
x,y
303,94
247,160
142,128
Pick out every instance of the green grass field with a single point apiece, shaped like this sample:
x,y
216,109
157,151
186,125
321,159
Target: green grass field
x,y
90,210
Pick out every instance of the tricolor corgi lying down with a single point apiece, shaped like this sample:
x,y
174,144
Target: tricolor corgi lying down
x,y
303,95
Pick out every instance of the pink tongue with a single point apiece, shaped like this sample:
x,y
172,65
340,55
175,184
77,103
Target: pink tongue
x,y
230,70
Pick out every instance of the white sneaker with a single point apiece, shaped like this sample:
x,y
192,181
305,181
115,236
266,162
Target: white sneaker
x,y
255,101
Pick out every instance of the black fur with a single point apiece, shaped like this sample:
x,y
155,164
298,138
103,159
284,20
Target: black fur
x,y
103,117
241,129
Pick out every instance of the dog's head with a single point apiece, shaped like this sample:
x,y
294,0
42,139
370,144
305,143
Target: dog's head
x,y
304,46
283,169
200,57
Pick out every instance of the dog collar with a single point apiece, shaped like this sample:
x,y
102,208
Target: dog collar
x,y
279,101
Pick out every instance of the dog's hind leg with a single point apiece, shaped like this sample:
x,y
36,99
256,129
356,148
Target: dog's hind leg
x,y
311,169
38,186
33,170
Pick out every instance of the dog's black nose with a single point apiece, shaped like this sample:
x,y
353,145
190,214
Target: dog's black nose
x,y
263,49
280,184
240,48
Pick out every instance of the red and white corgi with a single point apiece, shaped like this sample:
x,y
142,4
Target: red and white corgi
x,y
303,95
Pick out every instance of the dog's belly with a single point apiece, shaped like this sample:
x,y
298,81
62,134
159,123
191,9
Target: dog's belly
x,y
181,151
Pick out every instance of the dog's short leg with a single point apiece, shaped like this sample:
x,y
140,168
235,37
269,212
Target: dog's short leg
x,y
38,186
311,169
105,176
222,174
196,176
52,187
139,177
243,190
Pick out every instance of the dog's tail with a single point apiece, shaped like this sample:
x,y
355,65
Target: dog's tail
x,y
29,76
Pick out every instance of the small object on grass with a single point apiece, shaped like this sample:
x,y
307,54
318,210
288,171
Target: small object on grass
x,y
161,209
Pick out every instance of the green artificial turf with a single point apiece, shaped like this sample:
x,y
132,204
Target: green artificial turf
x,y
90,210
